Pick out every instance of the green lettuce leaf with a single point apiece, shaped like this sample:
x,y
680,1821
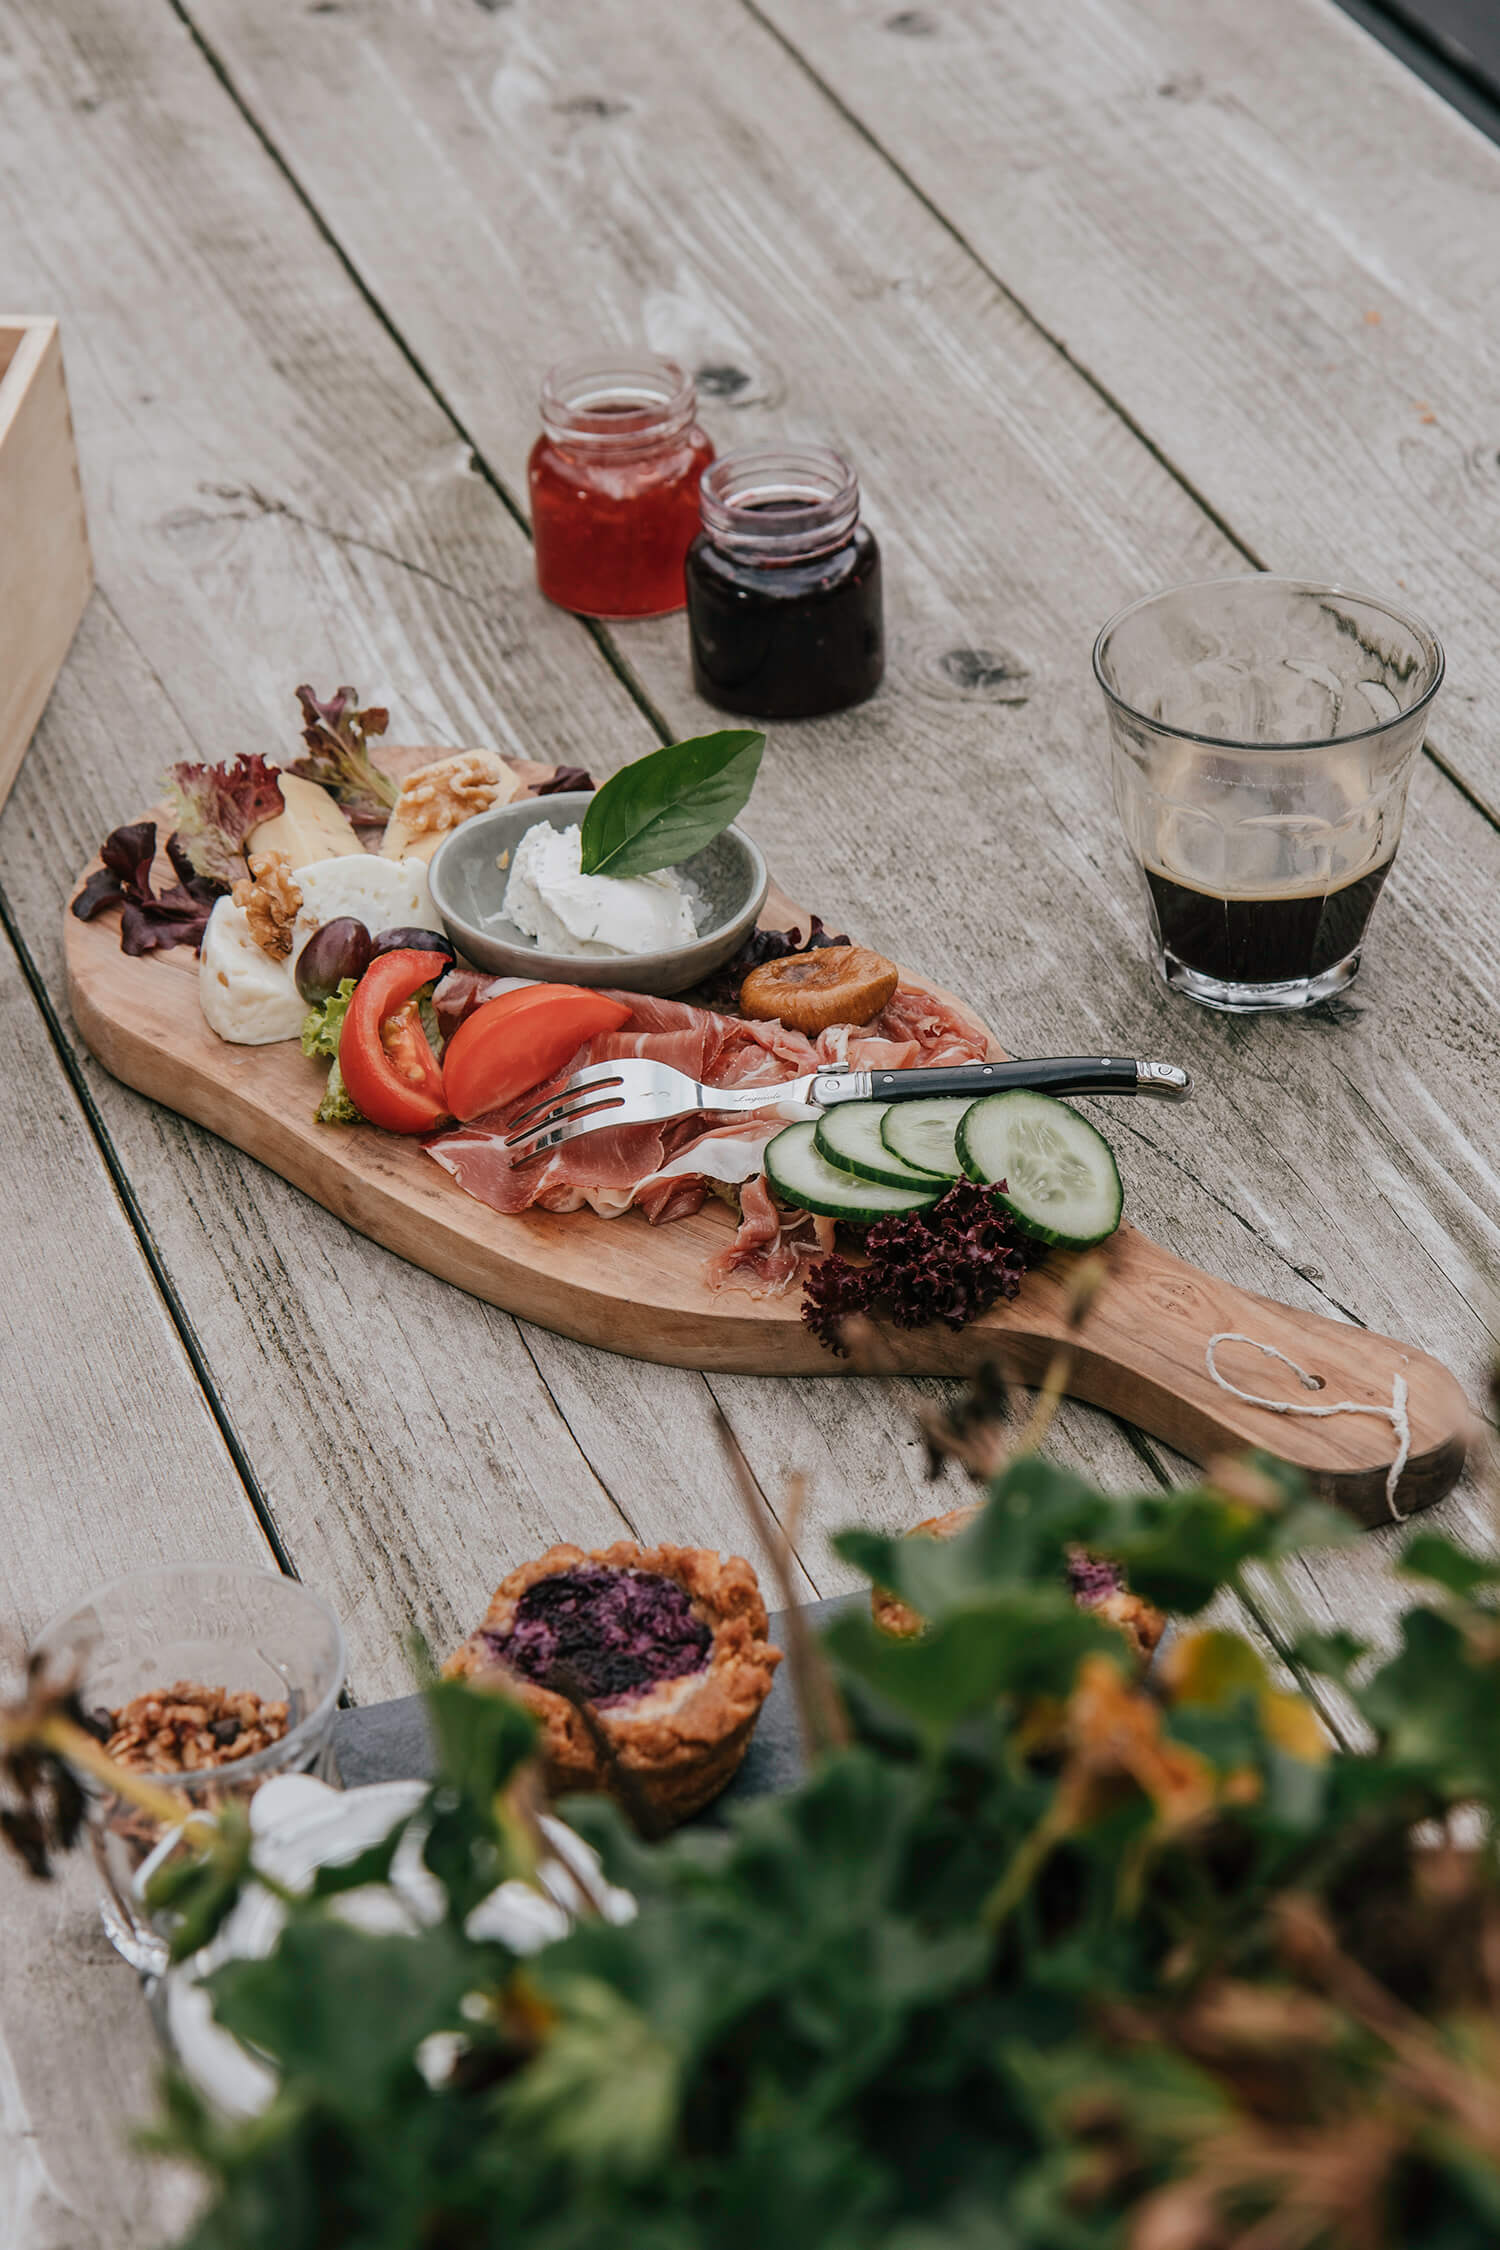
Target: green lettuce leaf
x,y
336,1108
322,1025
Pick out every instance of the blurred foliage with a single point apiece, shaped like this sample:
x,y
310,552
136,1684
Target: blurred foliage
x,y
1053,1957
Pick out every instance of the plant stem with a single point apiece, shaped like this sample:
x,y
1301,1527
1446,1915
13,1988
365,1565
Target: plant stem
x,y
69,1741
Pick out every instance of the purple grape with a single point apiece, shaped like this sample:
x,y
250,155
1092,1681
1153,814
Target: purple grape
x,y
411,941
336,950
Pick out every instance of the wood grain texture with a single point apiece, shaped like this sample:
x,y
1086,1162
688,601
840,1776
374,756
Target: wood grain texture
x,y
1269,243
640,1290
962,819
110,1460
45,569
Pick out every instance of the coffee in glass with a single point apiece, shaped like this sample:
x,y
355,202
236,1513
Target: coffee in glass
x,y
1263,735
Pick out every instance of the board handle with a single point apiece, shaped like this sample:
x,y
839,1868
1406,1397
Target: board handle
x,y
1162,1343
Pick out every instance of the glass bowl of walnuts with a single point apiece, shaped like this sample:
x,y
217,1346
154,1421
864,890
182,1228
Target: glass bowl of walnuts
x,y
209,1678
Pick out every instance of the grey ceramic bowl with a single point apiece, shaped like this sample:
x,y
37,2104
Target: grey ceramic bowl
x,y
468,890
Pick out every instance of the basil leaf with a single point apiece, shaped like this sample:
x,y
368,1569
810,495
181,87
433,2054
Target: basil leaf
x,y
671,803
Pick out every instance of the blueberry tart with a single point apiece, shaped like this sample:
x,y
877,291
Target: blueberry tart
x,y
646,1668
1095,1585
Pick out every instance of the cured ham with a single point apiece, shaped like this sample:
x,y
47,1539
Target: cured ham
x,y
667,1170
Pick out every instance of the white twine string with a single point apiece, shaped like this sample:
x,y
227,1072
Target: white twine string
x,y
1395,1413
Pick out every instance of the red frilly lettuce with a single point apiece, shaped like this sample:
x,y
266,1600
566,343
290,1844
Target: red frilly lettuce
x,y
338,739
217,807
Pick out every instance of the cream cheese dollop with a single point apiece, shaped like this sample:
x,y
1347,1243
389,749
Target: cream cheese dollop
x,y
551,900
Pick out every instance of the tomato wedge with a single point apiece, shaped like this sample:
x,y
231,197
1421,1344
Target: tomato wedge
x,y
519,1040
391,1073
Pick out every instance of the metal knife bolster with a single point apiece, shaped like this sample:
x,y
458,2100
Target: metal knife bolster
x,y
1053,1074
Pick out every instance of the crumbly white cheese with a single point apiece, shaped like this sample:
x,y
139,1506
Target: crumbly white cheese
x,y
550,899
246,996
384,894
250,998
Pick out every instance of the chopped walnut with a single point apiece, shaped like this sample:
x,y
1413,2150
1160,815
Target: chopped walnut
x,y
271,900
436,798
184,1728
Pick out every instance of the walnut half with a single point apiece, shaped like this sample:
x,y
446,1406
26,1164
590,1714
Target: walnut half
x,y
271,900
439,797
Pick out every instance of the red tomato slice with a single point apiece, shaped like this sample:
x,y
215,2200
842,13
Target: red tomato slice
x,y
393,1077
519,1040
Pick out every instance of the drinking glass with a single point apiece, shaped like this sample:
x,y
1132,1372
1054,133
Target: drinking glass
x,y
218,1625
1263,732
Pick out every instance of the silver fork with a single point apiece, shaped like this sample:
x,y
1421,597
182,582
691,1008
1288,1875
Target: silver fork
x,y
637,1091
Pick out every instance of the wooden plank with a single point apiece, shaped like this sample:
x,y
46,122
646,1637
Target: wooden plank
x,y
1269,244
94,1484
962,820
45,571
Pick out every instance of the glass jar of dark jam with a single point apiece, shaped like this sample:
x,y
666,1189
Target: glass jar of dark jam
x,y
614,485
783,586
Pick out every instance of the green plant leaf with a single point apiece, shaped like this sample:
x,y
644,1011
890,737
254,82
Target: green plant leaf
x,y
342,2013
1429,1555
671,803
601,2095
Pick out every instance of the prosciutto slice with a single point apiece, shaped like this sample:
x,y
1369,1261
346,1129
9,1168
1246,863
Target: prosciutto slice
x,y
667,1170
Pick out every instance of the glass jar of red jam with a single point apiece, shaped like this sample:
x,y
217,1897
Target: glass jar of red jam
x,y
614,485
783,586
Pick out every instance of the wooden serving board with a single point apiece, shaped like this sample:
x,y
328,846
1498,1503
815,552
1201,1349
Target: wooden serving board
x,y
637,1289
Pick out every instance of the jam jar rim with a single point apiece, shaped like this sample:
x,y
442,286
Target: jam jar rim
x,y
660,401
823,514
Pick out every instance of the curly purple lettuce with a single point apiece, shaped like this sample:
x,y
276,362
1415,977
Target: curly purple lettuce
x,y
563,780
338,738
949,1263
152,921
218,806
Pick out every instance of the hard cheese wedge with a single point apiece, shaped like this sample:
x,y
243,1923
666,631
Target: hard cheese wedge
x,y
310,828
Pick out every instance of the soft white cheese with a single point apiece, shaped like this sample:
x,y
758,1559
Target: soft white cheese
x,y
384,894
550,899
251,998
245,995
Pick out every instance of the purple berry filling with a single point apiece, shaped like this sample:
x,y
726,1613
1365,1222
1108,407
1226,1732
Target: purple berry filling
x,y
610,1632
1093,1580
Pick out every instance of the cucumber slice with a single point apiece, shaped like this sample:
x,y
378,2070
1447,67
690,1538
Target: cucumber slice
x,y
1061,1182
849,1136
801,1174
921,1133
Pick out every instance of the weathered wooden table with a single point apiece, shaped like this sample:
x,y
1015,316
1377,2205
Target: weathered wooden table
x,y
1099,298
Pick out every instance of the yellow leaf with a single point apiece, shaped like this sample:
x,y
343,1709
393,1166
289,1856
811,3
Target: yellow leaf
x,y
1210,1668
1294,1726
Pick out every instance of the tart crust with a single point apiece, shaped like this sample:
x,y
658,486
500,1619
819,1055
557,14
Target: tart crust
x,y
680,1740
1140,1622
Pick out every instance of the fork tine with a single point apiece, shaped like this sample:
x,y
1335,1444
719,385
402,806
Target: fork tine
x,y
597,1074
566,1115
544,1138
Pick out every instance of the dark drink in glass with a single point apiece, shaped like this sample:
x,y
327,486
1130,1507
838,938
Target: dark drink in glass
x,y
1288,938
1263,734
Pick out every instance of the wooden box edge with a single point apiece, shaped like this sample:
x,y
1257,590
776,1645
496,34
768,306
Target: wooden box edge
x,y
46,570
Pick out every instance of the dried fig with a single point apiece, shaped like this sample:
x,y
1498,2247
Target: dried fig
x,y
809,991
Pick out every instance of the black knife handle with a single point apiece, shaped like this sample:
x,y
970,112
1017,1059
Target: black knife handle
x,y
1053,1074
